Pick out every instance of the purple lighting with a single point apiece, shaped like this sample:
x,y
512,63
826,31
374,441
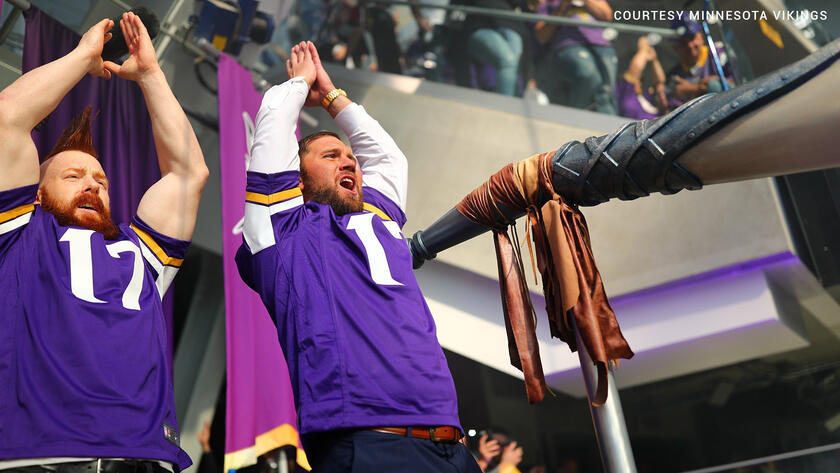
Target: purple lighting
x,y
717,273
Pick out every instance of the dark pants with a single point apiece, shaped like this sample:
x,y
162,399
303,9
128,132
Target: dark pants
x,y
582,77
366,451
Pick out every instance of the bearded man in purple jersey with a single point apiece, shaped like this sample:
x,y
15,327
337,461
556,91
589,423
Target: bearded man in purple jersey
x,y
85,384
323,248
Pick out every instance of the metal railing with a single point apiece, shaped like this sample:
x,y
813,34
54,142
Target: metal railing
x,y
21,4
834,447
533,17
18,6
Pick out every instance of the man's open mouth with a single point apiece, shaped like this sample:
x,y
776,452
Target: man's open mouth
x,y
89,208
348,183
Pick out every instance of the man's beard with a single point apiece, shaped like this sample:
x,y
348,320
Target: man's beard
x,y
65,214
331,196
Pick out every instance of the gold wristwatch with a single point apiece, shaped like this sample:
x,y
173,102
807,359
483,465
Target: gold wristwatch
x,y
332,95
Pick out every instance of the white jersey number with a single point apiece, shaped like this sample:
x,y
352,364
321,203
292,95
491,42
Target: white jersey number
x,y
362,224
81,267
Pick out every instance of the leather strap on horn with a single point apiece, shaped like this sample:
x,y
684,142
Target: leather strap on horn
x,y
480,206
523,347
571,281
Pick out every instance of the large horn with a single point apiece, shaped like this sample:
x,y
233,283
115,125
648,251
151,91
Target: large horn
x,y
781,123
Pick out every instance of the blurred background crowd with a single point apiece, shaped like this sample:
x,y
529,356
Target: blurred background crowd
x,y
588,62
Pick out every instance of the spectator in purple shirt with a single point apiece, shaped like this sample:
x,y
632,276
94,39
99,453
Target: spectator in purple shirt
x,y
580,66
696,73
633,100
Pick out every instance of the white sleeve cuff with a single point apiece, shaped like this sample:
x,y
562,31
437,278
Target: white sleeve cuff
x,y
351,118
277,95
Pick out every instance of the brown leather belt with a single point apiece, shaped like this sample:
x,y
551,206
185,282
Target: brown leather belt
x,y
444,433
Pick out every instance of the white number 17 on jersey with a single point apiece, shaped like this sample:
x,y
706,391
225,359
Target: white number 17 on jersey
x,y
362,224
81,267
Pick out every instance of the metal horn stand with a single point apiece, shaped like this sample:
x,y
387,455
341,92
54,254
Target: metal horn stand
x,y
610,430
608,419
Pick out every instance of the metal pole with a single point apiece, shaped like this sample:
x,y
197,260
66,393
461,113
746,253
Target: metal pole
x,y
608,419
533,17
164,31
9,24
207,50
282,462
21,4
19,7
10,68
712,49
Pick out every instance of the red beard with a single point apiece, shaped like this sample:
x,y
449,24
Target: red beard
x,y
65,214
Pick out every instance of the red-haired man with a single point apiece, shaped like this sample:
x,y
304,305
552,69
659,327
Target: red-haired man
x,y
84,382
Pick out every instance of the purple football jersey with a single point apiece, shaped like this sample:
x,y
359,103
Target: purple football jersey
x,y
358,336
633,105
83,358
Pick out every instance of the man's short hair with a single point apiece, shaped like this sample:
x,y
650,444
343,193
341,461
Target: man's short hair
x,y
303,144
76,137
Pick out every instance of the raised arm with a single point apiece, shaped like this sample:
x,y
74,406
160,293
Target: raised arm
x,y
384,166
658,72
638,62
32,97
171,204
274,151
275,147
645,54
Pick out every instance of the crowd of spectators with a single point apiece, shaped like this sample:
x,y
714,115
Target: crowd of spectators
x,y
545,62
496,451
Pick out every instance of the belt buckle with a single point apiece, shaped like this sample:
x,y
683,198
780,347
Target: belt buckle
x,y
432,435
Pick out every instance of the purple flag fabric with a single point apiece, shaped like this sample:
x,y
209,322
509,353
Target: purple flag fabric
x,y
121,127
260,405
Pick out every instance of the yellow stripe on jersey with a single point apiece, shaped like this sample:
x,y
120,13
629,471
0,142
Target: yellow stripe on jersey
x,y
268,199
156,249
16,212
376,210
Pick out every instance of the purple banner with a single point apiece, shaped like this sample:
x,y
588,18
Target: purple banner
x,y
260,405
120,125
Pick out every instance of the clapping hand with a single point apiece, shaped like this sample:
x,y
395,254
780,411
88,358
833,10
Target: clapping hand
x,y
301,64
323,84
92,43
142,59
488,448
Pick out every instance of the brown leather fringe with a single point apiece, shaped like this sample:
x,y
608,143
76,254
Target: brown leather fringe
x,y
480,207
574,291
523,348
